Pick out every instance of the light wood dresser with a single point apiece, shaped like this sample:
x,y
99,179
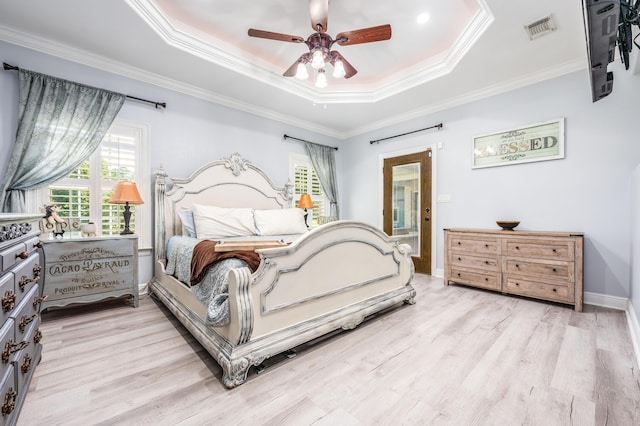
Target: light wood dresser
x,y
20,290
542,265
88,269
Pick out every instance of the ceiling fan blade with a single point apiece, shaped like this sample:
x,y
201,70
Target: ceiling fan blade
x,y
349,70
319,13
291,71
364,35
275,36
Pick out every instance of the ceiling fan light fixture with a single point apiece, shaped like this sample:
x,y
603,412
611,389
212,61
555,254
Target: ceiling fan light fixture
x,y
338,69
321,79
317,59
301,71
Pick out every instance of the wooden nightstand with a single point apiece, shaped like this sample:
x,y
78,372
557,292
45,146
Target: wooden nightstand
x,y
87,269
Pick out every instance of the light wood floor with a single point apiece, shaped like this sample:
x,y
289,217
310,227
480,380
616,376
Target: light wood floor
x,y
459,356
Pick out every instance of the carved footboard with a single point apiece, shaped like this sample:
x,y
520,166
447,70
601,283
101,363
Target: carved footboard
x,y
333,278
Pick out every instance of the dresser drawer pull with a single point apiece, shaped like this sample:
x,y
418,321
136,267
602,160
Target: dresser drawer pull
x,y
10,348
22,255
555,290
459,259
39,300
8,301
486,279
38,244
25,321
25,365
554,250
517,247
486,246
24,280
9,402
517,266
37,336
459,243
486,262
517,284
458,273
554,270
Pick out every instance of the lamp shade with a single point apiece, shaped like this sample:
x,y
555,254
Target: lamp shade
x,y
126,192
305,201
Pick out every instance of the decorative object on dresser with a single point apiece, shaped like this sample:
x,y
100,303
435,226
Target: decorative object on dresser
x,y
87,269
21,291
542,265
329,278
126,193
507,225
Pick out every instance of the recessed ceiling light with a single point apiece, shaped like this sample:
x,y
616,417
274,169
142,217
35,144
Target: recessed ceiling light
x,y
422,18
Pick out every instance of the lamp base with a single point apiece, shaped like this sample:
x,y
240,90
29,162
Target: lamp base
x,y
127,218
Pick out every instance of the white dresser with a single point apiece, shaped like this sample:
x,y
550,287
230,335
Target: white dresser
x,y
20,289
87,269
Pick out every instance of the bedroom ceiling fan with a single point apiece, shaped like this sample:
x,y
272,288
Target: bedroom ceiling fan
x,y
320,44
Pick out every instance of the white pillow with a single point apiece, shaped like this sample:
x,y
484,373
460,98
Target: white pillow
x,y
188,225
279,221
218,222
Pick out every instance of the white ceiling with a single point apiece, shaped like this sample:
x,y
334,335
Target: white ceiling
x,y
468,49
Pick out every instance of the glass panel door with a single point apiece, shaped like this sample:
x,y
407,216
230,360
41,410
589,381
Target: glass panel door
x,y
406,204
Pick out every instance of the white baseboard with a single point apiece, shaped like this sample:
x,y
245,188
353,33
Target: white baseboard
x,y
634,329
438,273
606,301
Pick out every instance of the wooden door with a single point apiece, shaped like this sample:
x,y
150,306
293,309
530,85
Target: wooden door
x,y
407,204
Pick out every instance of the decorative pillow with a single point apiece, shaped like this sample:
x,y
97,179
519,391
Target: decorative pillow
x,y
188,224
280,221
218,222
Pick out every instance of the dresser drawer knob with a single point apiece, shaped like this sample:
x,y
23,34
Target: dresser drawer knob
x,y
25,321
39,300
554,270
517,284
554,290
459,258
25,365
517,247
458,273
486,262
37,336
9,402
459,243
10,348
517,266
486,246
22,255
554,250
8,301
486,279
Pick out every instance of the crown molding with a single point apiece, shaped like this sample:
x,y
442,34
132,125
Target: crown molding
x,y
506,86
419,74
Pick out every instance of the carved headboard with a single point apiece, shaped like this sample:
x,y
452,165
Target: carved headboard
x,y
229,182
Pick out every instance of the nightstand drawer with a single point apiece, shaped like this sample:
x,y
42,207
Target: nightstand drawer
x,y
83,270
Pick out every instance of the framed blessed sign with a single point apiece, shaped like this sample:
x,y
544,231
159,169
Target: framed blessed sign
x,y
536,142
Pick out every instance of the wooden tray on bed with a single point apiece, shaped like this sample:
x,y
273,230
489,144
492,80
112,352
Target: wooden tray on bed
x,y
248,245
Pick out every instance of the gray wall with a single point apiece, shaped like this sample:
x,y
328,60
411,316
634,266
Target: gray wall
x,y
189,133
635,241
587,191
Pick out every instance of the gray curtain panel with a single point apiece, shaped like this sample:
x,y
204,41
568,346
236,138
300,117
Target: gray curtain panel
x,y
60,124
324,163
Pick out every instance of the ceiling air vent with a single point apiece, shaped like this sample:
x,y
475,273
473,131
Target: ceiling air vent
x,y
540,27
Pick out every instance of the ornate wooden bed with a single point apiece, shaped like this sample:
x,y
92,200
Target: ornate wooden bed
x,y
332,277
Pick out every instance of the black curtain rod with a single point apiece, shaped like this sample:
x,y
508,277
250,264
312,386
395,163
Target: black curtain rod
x,y
437,126
8,67
302,140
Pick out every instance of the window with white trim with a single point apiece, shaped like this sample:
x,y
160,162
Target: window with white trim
x,y
305,181
85,192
